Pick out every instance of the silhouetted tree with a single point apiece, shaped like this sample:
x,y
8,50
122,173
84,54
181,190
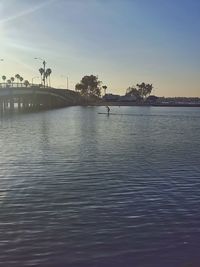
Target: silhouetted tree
x,y
144,89
12,80
21,79
89,86
141,91
17,76
9,82
79,87
132,91
41,71
48,74
104,88
4,78
26,83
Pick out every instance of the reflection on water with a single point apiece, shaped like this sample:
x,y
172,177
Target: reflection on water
x,y
78,188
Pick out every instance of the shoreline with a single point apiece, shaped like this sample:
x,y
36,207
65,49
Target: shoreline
x,y
144,105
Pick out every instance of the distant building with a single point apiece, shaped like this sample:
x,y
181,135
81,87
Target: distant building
x,y
111,97
124,98
128,98
152,99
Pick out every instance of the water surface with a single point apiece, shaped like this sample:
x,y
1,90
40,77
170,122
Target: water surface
x,y
78,188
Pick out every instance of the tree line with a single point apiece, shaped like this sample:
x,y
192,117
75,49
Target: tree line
x,y
91,86
140,91
45,76
20,80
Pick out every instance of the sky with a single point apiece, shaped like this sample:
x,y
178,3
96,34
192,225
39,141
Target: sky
x,y
123,42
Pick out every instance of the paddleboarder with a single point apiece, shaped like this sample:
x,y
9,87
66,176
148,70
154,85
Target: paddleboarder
x,y
108,109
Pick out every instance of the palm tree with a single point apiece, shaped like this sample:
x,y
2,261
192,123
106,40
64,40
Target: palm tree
x,y
4,78
12,80
104,87
17,76
21,79
48,74
26,83
41,71
8,82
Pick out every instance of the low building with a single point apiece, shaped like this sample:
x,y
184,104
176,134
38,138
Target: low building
x,y
111,97
128,98
152,99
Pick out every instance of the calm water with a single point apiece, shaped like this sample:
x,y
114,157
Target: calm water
x,y
78,188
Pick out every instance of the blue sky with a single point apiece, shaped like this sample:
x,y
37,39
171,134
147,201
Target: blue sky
x,y
124,42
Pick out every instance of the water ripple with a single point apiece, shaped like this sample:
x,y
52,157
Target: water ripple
x,y
79,189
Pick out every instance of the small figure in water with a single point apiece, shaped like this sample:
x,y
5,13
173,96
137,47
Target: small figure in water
x,y
108,109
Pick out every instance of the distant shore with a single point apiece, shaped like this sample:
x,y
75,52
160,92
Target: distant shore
x,y
113,103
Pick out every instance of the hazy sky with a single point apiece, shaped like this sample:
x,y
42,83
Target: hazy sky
x,y
124,42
